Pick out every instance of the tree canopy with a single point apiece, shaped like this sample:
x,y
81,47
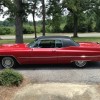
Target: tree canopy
x,y
82,15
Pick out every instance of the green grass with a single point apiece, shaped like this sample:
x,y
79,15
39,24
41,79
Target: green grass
x,y
7,41
79,39
13,41
87,39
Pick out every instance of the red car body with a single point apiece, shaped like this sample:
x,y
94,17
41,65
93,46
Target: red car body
x,y
23,54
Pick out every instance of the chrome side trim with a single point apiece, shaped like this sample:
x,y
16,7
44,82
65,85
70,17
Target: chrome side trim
x,y
64,57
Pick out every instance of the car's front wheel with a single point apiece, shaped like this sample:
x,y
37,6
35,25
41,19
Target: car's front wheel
x,y
80,64
7,62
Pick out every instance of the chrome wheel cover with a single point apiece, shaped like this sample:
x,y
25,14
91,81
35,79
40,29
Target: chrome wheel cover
x,y
7,62
80,63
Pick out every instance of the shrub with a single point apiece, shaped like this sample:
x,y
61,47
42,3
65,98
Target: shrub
x,y
5,30
68,28
28,30
38,29
9,77
48,29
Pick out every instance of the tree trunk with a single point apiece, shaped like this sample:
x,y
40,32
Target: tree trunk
x,y
75,25
43,12
34,24
19,22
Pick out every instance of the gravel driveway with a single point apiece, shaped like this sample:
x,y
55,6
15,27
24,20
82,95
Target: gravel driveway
x,y
62,73
73,81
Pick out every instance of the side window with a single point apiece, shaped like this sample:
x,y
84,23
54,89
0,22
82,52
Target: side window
x,y
58,43
47,44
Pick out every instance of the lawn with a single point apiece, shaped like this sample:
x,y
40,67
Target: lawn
x,y
79,39
87,39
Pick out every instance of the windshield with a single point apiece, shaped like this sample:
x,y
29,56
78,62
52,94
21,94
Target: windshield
x,y
76,43
31,44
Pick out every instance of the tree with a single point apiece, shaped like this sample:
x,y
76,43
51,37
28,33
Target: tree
x,y
76,7
15,10
6,3
96,9
32,9
55,11
34,22
43,13
69,23
19,21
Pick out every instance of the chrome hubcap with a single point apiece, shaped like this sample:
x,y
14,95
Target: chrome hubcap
x,y
80,63
7,62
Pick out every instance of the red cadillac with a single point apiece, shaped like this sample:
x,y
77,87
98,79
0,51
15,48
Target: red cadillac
x,y
50,50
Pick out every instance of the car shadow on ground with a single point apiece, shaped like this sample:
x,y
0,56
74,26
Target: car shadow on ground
x,y
91,65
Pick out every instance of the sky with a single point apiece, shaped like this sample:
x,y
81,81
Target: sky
x,y
1,16
29,17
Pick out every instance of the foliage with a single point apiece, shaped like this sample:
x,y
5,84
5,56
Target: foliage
x,y
69,24
5,30
84,14
9,77
28,30
38,29
6,23
54,10
76,8
33,9
49,29
97,29
6,3
96,9
86,22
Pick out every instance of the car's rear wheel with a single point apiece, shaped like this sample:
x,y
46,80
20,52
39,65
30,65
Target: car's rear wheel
x,y
8,62
80,64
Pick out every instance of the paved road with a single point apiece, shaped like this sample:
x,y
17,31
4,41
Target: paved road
x,y
65,34
62,73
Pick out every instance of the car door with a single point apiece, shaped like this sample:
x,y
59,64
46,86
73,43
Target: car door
x,y
64,54
44,52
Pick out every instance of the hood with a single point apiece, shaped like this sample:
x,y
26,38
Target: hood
x,y
12,46
89,44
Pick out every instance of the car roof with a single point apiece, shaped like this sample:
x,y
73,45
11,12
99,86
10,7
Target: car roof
x,y
53,37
